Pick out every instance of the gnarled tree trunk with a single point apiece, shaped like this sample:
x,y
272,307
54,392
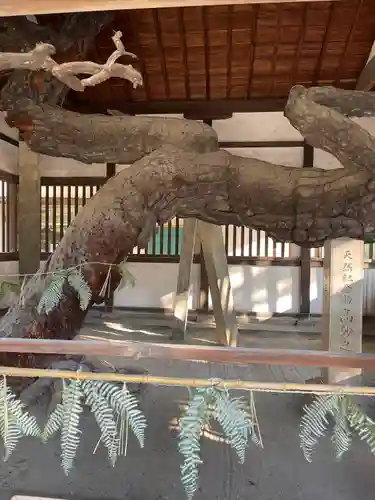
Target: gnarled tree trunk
x,y
177,169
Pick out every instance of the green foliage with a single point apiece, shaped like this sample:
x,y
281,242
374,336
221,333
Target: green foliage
x,y
70,431
360,423
348,418
109,405
7,287
126,276
77,281
232,415
54,292
15,421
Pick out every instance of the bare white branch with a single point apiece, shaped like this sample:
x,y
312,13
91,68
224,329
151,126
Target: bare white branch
x,y
40,59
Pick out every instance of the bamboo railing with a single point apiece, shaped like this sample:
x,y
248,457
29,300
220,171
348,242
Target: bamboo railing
x,y
216,354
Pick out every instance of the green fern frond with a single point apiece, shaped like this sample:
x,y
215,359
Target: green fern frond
x,y
360,423
70,432
53,294
54,422
195,418
7,287
15,421
314,423
126,405
235,420
341,437
104,417
126,277
77,281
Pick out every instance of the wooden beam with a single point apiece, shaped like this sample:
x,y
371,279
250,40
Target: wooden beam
x,y
211,354
199,109
216,263
27,7
305,271
181,303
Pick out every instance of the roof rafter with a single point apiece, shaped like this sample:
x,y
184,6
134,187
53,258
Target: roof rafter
x,y
25,7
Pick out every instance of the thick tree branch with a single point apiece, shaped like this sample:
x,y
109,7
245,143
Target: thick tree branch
x,y
39,58
23,88
320,114
305,206
120,139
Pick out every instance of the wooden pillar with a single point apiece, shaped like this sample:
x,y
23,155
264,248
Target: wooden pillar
x,y
305,269
203,285
219,282
343,302
29,210
181,304
12,210
203,279
108,301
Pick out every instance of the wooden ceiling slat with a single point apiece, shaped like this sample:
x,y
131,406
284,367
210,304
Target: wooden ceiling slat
x,y
301,41
161,52
229,48
344,56
206,49
253,43
318,67
237,52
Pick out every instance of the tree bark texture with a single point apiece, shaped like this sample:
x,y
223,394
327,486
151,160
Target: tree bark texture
x,y
177,169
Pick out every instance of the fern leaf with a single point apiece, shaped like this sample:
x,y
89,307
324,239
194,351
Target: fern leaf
x,y
104,417
70,433
13,435
126,276
53,294
363,425
54,422
314,423
15,421
341,437
232,415
196,416
77,281
7,287
124,404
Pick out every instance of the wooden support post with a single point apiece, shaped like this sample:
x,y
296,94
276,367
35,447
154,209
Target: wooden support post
x,y
12,210
342,307
219,282
29,210
203,285
109,300
305,270
181,305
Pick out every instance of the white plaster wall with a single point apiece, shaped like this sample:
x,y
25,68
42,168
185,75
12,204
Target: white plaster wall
x,y
66,167
265,289
256,127
259,289
156,286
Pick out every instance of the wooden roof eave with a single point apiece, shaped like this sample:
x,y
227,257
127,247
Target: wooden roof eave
x,y
36,7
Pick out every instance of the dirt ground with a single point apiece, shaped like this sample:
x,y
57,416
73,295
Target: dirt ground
x,y
277,472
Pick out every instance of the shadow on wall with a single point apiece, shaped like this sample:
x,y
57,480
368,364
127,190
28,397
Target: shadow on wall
x,y
263,290
257,289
